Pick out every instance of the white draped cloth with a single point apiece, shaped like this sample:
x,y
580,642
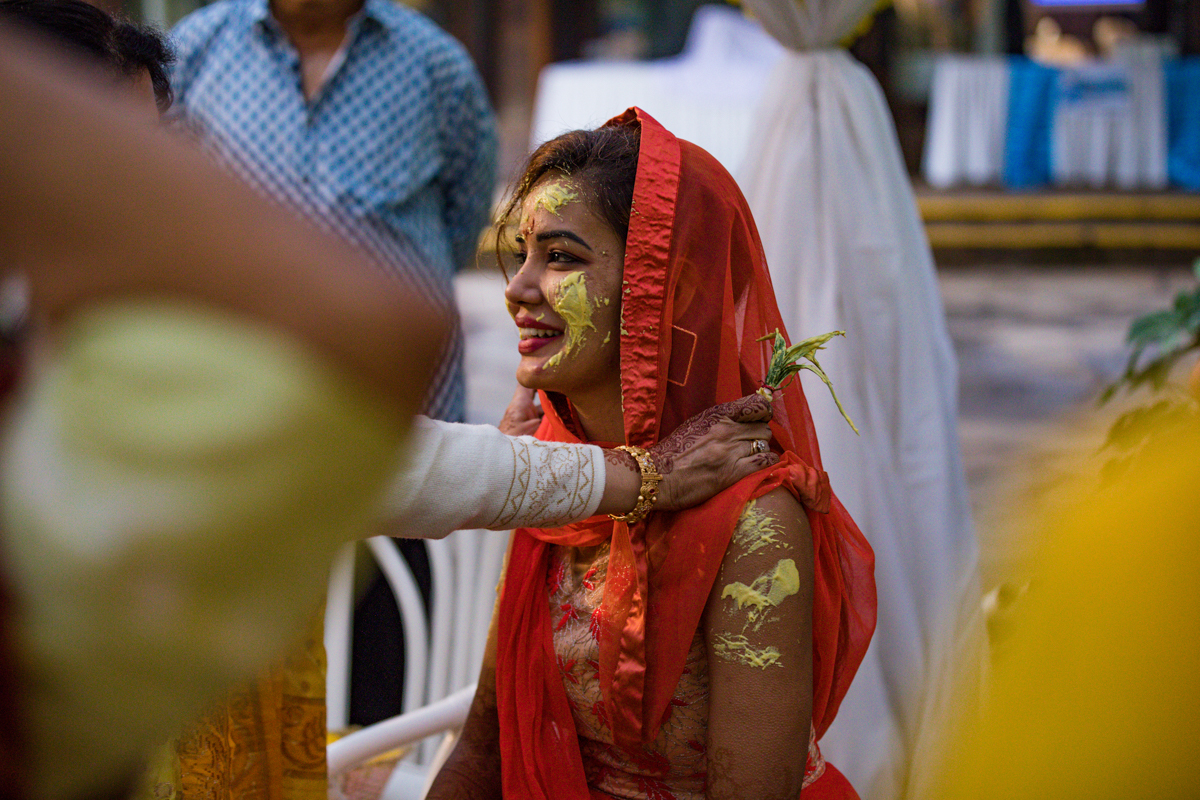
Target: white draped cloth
x,y
847,251
1109,121
968,117
706,95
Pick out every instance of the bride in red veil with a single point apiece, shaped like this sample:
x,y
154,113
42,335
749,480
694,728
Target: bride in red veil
x,y
694,654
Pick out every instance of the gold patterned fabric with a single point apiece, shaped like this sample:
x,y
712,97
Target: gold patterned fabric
x,y
674,765
267,742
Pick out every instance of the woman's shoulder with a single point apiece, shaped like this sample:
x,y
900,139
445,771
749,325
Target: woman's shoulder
x,y
769,560
768,524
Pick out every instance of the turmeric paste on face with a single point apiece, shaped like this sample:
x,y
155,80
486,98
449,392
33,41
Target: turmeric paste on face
x,y
554,196
570,301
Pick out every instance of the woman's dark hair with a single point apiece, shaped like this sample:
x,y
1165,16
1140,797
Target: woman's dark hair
x,y
125,48
604,160
142,47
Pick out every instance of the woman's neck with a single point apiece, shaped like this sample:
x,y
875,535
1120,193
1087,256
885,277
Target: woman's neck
x,y
599,415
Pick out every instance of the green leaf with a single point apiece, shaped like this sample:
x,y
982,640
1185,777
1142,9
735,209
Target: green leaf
x,y
1192,323
1129,429
1154,328
785,363
1163,337
1156,372
1108,393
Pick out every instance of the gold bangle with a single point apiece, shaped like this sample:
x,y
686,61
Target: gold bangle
x,y
649,491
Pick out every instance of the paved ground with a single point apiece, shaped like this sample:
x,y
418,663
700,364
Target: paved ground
x,y
1036,344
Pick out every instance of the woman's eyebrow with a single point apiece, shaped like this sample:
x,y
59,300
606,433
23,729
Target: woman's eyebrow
x,y
545,235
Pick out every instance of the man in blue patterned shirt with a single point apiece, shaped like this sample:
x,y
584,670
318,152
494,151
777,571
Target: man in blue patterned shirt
x,y
372,122
364,116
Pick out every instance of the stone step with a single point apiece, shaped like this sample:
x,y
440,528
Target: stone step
x,y
1104,235
1105,220
1056,206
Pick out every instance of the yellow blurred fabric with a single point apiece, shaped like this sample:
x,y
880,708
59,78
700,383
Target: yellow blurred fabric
x,y
1095,691
176,481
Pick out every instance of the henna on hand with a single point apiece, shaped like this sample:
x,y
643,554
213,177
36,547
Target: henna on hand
x,y
621,459
711,451
751,408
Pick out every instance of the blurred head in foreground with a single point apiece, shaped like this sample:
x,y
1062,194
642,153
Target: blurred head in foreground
x,y
133,54
1094,692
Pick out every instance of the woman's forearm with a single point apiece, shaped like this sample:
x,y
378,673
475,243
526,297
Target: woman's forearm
x,y
622,481
472,772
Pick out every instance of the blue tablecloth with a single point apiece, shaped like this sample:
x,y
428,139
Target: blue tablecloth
x,y
1034,90
1183,122
1031,94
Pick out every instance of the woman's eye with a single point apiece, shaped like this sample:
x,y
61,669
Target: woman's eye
x,y
520,256
559,257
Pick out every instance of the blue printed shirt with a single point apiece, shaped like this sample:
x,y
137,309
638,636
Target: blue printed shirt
x,y
396,152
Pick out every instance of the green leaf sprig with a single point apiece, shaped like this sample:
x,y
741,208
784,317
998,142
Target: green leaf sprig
x,y
1158,341
786,364
1167,335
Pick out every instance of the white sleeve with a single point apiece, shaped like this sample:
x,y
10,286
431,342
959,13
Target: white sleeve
x,y
473,476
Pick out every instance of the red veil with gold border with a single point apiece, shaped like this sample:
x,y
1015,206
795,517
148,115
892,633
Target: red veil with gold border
x,y
696,297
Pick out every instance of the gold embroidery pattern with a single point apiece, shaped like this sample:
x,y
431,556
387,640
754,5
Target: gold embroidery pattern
x,y
517,486
673,765
267,742
585,470
551,485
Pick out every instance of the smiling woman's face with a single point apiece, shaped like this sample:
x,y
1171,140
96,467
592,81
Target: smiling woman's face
x,y
566,295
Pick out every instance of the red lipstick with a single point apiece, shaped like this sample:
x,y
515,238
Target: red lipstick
x,y
531,344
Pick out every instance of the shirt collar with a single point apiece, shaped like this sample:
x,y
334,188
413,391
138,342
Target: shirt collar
x,y
374,10
260,12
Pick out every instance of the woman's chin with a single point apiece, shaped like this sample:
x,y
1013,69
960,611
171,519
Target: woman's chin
x,y
532,374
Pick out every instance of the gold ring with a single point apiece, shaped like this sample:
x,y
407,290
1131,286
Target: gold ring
x,y
759,446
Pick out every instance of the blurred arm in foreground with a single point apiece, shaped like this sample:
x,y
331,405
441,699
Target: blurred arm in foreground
x,y
211,410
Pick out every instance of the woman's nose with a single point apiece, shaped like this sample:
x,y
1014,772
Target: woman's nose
x,y
523,289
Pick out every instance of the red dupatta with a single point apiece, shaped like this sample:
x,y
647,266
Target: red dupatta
x,y
697,296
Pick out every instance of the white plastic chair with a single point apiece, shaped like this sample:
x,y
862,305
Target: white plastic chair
x,y
441,658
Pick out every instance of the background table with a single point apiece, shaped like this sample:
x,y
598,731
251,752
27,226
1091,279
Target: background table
x,y
1131,122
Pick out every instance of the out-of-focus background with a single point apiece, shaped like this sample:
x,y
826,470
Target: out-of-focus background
x,y
1053,145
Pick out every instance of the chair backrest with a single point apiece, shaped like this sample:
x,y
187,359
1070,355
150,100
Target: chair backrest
x,y
441,656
